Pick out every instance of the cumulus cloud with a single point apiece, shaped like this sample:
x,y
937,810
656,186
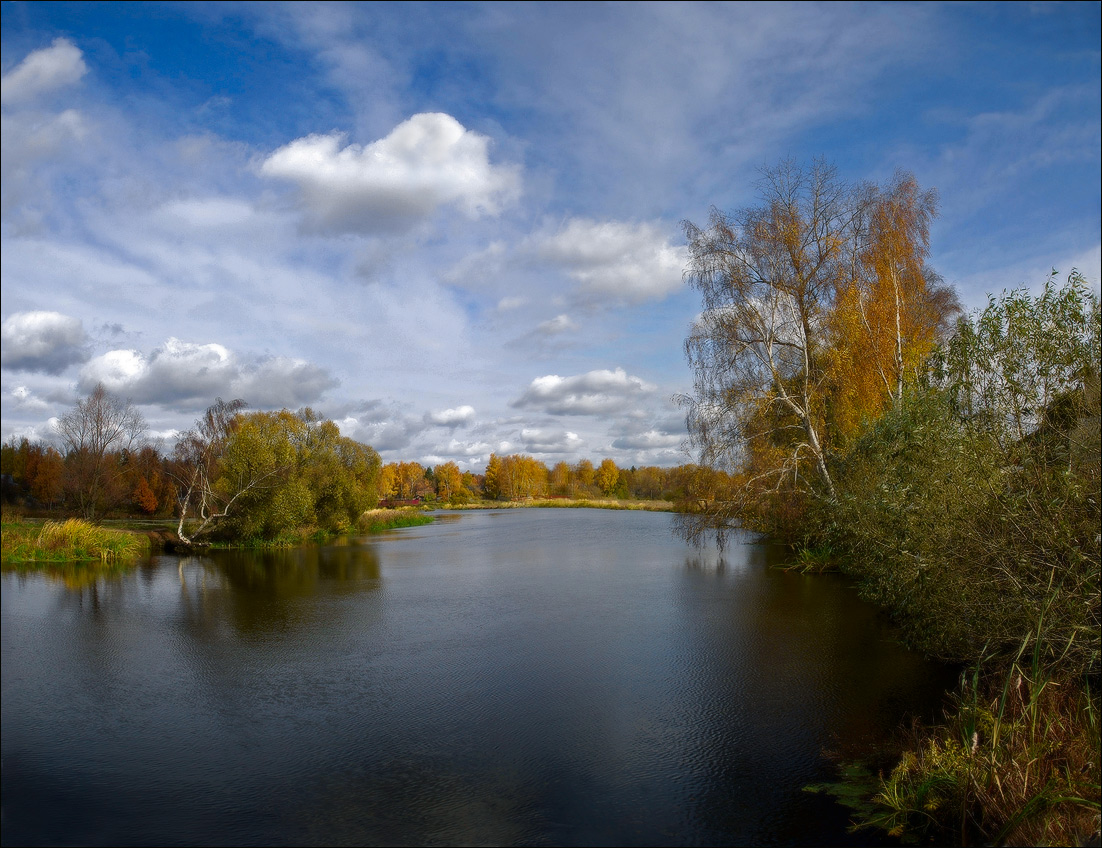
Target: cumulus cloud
x,y
390,185
187,376
600,392
43,341
44,70
550,441
614,260
452,418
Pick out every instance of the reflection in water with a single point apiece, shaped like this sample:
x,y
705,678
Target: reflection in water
x,y
529,676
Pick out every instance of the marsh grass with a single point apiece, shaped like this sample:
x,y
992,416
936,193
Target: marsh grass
x,y
813,559
69,541
378,520
1017,763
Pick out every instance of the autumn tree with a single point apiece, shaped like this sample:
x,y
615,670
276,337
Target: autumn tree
x,y
806,297
32,468
607,477
388,481
584,475
269,475
891,309
93,429
521,476
45,474
562,479
449,480
491,483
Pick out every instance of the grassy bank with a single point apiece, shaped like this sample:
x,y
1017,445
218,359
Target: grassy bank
x,y
68,541
569,503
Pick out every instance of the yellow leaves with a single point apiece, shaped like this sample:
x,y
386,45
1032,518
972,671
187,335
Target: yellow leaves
x,y
607,476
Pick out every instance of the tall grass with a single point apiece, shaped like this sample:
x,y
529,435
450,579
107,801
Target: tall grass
x,y
378,520
1017,762
72,540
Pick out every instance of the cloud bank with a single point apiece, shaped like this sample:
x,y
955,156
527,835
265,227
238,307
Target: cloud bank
x,y
183,375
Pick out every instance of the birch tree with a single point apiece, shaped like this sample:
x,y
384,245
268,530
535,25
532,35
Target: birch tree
x,y
767,276
818,309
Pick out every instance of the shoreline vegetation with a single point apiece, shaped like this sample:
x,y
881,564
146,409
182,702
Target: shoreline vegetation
x,y
948,464
49,542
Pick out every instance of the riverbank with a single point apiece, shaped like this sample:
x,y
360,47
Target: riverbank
x,y
73,540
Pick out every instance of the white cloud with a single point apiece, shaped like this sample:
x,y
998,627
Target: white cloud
x,y
616,260
43,341
600,392
188,376
550,441
43,70
26,401
390,185
458,417
508,304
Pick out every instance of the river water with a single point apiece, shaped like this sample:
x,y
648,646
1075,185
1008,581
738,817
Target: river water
x,y
531,677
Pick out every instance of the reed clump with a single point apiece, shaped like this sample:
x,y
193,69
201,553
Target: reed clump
x,y
71,540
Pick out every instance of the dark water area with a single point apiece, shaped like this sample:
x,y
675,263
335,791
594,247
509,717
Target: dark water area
x,y
513,677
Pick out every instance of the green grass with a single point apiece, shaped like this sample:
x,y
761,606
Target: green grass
x,y
68,541
817,559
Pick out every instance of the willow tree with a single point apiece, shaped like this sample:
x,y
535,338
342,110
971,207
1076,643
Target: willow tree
x,y
818,282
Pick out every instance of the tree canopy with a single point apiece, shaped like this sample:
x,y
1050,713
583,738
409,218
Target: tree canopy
x,y
817,309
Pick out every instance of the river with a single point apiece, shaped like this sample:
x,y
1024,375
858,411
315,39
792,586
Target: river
x,y
506,677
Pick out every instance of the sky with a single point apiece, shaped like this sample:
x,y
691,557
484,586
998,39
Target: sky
x,y
457,229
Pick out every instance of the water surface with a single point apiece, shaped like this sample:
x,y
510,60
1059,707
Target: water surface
x,y
528,677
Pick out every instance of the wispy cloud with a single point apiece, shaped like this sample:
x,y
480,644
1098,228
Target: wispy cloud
x,y
59,65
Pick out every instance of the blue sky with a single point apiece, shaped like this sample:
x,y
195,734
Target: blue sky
x,y
456,228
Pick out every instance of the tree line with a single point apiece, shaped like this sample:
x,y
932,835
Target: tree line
x,y
516,477
240,474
